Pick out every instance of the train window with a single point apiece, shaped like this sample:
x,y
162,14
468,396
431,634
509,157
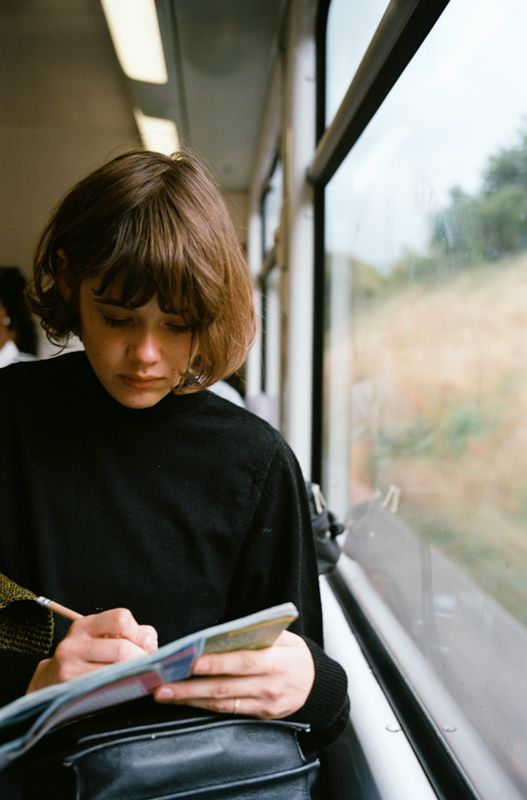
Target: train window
x,y
350,27
270,281
271,207
425,381
272,335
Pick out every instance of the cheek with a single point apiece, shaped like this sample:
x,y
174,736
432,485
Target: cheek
x,y
180,357
102,348
179,360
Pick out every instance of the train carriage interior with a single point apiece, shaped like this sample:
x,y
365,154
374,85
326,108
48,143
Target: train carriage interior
x,y
373,155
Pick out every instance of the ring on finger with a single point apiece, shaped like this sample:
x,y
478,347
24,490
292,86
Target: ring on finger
x,y
235,705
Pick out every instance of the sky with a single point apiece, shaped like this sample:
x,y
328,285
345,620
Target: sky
x,y
461,99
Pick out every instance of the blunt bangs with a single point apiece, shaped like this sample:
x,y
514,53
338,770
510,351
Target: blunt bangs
x,y
150,258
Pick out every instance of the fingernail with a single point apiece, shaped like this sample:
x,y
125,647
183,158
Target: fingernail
x,y
165,693
150,643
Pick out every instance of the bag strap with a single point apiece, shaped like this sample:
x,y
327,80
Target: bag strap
x,y
326,528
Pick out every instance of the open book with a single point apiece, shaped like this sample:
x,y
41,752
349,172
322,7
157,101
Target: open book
x,y
24,721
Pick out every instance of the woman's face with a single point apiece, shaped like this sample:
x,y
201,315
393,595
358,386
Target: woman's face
x,y
138,354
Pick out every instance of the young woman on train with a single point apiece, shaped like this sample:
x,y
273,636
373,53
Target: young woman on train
x,y
131,493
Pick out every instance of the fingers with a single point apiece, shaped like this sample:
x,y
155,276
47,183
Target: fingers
x,y
56,670
238,662
105,650
256,696
106,638
243,706
270,684
92,642
118,623
249,662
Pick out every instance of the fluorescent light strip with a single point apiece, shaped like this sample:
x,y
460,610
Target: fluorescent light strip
x,y
134,28
157,134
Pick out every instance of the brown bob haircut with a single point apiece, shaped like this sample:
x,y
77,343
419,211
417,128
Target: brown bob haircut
x,y
150,225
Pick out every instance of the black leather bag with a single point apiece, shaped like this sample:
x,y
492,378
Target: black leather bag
x,y
149,752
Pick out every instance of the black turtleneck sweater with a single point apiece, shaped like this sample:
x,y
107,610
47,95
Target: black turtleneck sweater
x,y
189,513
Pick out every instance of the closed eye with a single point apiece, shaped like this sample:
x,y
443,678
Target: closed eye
x,y
179,328
114,322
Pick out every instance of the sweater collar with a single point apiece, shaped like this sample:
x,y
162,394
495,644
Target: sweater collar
x,y
8,353
102,403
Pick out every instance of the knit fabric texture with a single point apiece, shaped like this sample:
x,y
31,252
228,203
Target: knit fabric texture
x,y
189,513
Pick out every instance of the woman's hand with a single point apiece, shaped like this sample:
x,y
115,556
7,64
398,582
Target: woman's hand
x,y
92,642
270,683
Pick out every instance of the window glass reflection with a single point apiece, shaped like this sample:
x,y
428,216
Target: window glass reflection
x,y
425,433
350,27
273,333
268,405
272,205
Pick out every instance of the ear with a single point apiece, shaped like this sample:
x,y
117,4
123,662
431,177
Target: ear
x,y
63,278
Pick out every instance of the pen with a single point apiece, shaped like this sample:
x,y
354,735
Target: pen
x,y
57,608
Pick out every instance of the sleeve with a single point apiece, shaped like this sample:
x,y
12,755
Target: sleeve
x,y
278,564
16,670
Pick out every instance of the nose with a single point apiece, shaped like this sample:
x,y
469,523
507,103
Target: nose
x,y
144,349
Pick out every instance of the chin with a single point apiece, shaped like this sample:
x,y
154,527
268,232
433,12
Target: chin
x,y
133,398
141,400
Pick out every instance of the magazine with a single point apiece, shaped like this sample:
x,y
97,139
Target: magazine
x,y
24,721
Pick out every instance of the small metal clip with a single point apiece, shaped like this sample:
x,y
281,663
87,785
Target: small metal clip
x,y
318,497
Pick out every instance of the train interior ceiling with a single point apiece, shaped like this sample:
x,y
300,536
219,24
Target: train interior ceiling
x,y
335,129
67,105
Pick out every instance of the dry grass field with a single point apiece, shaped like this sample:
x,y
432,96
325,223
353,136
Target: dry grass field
x,y
454,354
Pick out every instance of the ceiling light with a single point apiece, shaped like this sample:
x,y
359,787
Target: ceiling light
x,y
157,134
134,28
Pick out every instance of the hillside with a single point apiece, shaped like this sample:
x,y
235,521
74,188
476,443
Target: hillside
x,y
454,355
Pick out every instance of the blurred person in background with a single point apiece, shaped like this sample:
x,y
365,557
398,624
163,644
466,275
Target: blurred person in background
x,y
18,339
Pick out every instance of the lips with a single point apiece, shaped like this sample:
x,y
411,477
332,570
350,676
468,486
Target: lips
x,y
141,381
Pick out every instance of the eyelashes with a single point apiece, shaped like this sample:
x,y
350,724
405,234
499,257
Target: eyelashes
x,y
116,322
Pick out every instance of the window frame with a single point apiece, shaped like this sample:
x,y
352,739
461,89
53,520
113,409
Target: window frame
x,y
269,262
403,28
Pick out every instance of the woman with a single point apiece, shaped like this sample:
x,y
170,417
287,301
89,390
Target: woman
x,y
131,493
18,341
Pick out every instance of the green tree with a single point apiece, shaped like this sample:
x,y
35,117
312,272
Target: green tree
x,y
457,230
507,168
491,224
